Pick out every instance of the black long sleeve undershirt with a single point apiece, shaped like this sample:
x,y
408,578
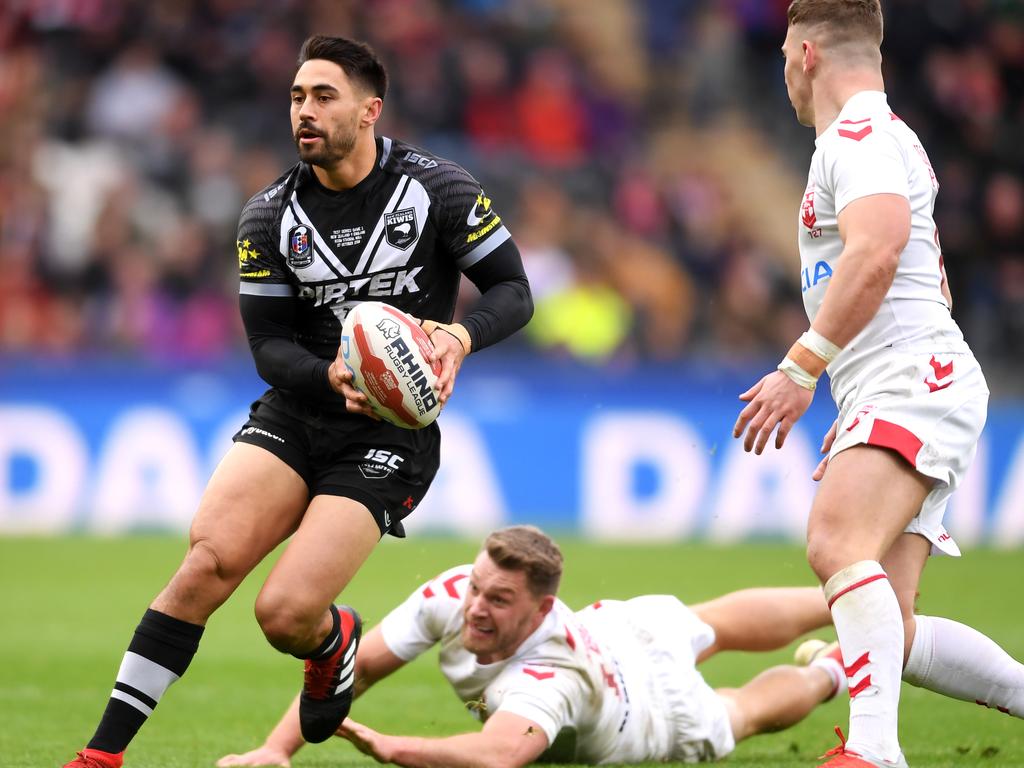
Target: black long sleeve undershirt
x,y
280,360
505,306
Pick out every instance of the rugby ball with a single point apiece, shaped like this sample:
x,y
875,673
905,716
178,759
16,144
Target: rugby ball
x,y
388,355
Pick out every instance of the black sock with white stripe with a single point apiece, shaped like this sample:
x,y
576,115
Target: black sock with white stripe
x,y
330,643
159,654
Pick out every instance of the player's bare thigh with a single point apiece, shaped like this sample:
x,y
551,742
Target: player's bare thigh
x,y
762,618
334,539
866,499
252,503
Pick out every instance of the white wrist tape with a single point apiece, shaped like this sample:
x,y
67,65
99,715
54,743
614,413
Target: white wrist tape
x,y
797,374
819,345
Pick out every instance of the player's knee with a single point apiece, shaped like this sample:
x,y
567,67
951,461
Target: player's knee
x,y
286,624
204,568
199,585
825,555
206,563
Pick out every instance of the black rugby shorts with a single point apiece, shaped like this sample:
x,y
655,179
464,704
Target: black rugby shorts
x,y
385,467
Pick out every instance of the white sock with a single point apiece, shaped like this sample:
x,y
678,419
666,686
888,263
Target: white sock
x,y
868,621
834,669
957,661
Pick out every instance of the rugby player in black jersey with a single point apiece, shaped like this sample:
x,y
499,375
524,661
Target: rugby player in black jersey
x,y
358,218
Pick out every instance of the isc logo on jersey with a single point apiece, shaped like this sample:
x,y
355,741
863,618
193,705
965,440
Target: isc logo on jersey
x,y
387,353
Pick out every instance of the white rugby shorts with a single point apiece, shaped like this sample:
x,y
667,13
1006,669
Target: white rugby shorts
x,y
697,720
930,409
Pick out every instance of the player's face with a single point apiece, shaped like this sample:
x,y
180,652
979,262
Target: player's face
x,y
326,113
798,84
500,611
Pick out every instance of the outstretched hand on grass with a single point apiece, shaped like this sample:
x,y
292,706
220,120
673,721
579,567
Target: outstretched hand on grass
x,y
260,756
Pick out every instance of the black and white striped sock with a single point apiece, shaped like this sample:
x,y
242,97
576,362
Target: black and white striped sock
x,y
330,643
159,654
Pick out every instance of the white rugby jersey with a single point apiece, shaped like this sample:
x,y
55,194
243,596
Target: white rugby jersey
x,y
869,150
591,688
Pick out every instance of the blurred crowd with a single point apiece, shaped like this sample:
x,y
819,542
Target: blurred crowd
x,y
643,153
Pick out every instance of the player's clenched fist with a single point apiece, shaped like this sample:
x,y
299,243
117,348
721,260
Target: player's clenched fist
x,y
341,382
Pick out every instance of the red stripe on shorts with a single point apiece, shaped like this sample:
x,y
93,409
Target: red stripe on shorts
x,y
885,434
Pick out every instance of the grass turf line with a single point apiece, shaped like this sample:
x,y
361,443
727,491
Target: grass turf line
x,y
70,605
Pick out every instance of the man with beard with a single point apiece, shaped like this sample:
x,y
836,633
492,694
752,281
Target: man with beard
x,y
616,682
358,218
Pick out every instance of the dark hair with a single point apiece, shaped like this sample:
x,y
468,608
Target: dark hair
x,y
530,550
356,59
845,20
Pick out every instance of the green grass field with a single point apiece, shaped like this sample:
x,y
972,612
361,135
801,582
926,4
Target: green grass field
x,y
69,606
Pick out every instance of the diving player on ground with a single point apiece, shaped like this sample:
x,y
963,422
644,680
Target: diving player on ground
x,y
616,682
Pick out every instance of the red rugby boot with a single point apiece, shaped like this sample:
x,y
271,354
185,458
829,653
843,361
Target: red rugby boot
x,y
845,758
94,758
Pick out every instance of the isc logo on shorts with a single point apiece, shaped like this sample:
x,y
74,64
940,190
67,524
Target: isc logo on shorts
x,y
378,464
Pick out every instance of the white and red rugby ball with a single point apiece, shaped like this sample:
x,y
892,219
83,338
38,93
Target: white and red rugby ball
x,y
388,355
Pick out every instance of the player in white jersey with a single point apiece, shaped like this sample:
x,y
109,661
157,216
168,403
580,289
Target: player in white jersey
x,y
912,399
613,683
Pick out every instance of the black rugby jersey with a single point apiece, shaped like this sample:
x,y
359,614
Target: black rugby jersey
x,y
402,235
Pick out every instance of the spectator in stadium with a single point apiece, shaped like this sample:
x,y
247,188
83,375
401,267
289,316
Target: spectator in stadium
x,y
912,398
636,73
616,682
358,218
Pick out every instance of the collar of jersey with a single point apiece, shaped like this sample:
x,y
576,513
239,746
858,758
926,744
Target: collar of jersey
x,y
365,182
860,102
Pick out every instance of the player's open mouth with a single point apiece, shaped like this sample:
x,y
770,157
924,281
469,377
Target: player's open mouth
x,y
308,137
